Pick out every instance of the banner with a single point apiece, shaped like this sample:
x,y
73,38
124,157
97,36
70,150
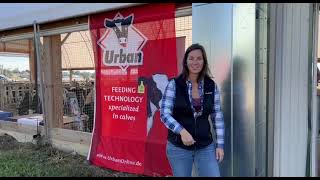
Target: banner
x,y
135,56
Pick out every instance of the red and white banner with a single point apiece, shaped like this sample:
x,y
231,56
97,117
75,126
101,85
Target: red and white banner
x,y
135,56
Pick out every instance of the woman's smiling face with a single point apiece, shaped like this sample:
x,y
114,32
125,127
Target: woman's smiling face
x,y
195,61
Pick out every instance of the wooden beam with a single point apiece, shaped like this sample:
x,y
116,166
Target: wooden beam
x,y
65,38
14,50
71,136
183,5
19,46
46,26
64,23
9,47
20,128
20,137
62,139
14,32
78,68
53,80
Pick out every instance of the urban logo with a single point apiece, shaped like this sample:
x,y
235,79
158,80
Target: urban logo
x,y
122,42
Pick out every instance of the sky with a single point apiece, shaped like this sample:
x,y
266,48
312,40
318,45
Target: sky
x,y
22,63
13,15
12,7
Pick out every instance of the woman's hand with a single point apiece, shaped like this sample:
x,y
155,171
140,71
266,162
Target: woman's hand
x,y
219,154
186,137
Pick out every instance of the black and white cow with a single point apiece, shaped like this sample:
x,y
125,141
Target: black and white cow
x,y
120,27
155,89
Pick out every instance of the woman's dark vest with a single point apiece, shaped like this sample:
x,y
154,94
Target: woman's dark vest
x,y
199,128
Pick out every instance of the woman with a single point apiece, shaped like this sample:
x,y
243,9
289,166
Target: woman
x,y
189,102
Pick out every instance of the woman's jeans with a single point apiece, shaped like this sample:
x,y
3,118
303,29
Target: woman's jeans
x,y
181,161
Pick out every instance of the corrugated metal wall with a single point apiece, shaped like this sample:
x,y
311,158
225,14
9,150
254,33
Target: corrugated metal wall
x,y
261,88
238,66
290,59
212,28
227,31
244,86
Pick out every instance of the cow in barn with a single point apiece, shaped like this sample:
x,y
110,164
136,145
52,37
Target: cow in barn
x,y
23,107
36,103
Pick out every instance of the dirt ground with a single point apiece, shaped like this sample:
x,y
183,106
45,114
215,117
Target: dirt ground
x,y
27,159
8,142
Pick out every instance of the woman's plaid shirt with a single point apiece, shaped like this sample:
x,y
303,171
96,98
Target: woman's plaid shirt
x,y
167,104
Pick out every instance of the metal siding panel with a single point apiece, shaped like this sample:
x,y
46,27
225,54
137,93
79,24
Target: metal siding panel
x,y
260,123
217,39
261,49
212,28
220,66
295,71
276,48
313,96
285,90
244,88
302,134
271,74
265,92
222,71
292,72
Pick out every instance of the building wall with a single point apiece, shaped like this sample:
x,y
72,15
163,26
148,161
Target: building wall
x,y
227,31
289,56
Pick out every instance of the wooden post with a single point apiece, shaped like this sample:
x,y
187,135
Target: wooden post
x,y
32,61
2,47
70,76
2,94
53,81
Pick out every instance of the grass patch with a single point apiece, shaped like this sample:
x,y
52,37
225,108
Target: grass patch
x,y
29,160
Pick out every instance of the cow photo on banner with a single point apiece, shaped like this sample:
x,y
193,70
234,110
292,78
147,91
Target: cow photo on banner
x,y
135,56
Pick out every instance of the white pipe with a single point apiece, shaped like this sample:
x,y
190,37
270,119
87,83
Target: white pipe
x,y
40,76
